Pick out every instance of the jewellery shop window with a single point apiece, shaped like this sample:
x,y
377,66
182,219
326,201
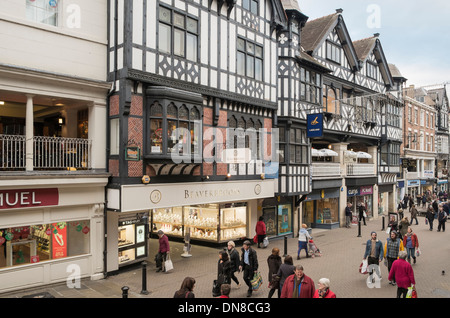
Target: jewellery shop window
x,y
43,242
132,240
209,222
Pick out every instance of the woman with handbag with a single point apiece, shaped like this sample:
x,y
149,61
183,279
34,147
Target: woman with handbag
x,y
223,273
274,263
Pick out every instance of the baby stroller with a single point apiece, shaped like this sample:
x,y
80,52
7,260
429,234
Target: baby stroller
x,y
313,250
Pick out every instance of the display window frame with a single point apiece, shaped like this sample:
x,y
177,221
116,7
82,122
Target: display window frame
x,y
136,248
272,217
203,222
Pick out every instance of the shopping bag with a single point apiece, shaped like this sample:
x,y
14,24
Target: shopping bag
x,y
426,221
363,267
255,239
410,292
256,282
266,242
168,265
418,252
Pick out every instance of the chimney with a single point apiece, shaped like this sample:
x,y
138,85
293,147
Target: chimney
x,y
339,10
376,35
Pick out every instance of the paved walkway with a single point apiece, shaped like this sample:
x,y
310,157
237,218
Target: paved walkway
x,y
342,254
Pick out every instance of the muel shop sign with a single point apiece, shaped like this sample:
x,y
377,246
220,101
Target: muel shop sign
x,y
27,198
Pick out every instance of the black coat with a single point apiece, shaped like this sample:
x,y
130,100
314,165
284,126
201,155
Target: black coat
x,y
234,259
274,262
252,258
224,272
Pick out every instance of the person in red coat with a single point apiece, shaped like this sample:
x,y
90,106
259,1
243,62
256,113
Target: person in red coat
x,y
403,273
260,230
324,289
298,285
163,249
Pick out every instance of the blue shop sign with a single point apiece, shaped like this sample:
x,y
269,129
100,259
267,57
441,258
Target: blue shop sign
x,y
352,192
413,183
315,125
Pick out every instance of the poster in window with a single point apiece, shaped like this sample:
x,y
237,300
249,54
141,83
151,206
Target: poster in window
x,y
59,240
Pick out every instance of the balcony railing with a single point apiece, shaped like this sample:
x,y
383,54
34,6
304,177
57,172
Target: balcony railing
x,y
326,170
49,153
360,169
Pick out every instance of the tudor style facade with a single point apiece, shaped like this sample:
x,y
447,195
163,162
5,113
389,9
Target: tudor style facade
x,y
202,67
345,160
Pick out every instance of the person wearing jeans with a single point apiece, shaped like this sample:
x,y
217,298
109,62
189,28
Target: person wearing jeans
x,y
411,242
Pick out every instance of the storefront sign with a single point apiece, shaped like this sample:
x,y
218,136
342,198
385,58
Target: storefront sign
x,y
144,197
315,125
352,192
59,240
366,190
28,198
413,183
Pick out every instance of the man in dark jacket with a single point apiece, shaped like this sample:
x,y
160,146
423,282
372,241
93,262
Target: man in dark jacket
x,y
249,265
442,218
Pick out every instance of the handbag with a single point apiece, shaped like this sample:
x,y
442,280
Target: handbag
x,y
275,283
168,265
256,281
216,288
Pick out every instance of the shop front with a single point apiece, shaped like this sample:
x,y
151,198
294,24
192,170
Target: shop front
x,y
360,196
278,216
206,213
46,230
413,188
321,209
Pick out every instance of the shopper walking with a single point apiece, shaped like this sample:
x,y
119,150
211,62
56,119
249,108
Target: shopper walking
x,y
298,285
403,226
249,265
324,289
286,269
414,214
392,247
303,238
163,250
260,230
234,262
411,242
430,216
274,263
362,212
442,218
404,275
223,269
348,215
374,251
186,289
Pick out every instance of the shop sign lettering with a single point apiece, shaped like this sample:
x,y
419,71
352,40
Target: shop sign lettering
x,y
210,193
10,199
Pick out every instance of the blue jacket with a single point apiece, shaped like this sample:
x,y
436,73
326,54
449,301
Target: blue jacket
x,y
378,249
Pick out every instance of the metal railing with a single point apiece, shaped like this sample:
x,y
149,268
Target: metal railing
x,y
360,169
49,153
328,169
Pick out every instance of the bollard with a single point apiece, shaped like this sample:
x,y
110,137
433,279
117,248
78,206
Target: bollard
x,y
125,291
382,224
359,228
285,246
144,279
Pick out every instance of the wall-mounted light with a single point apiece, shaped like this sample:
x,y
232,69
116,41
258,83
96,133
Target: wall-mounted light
x,y
228,176
2,102
205,178
61,120
263,176
145,179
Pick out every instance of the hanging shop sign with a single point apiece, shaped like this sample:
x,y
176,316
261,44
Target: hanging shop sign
x,y
28,198
315,125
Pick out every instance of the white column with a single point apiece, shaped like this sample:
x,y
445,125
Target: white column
x,y
97,135
29,134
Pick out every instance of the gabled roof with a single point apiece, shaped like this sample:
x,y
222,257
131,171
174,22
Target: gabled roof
x,y
315,32
395,72
370,45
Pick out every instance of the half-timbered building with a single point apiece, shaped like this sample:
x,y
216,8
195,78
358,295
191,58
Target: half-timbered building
x,y
345,159
186,74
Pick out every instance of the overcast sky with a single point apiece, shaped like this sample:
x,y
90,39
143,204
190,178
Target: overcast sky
x,y
415,35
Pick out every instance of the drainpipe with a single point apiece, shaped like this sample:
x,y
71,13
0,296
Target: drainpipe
x,y
113,90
